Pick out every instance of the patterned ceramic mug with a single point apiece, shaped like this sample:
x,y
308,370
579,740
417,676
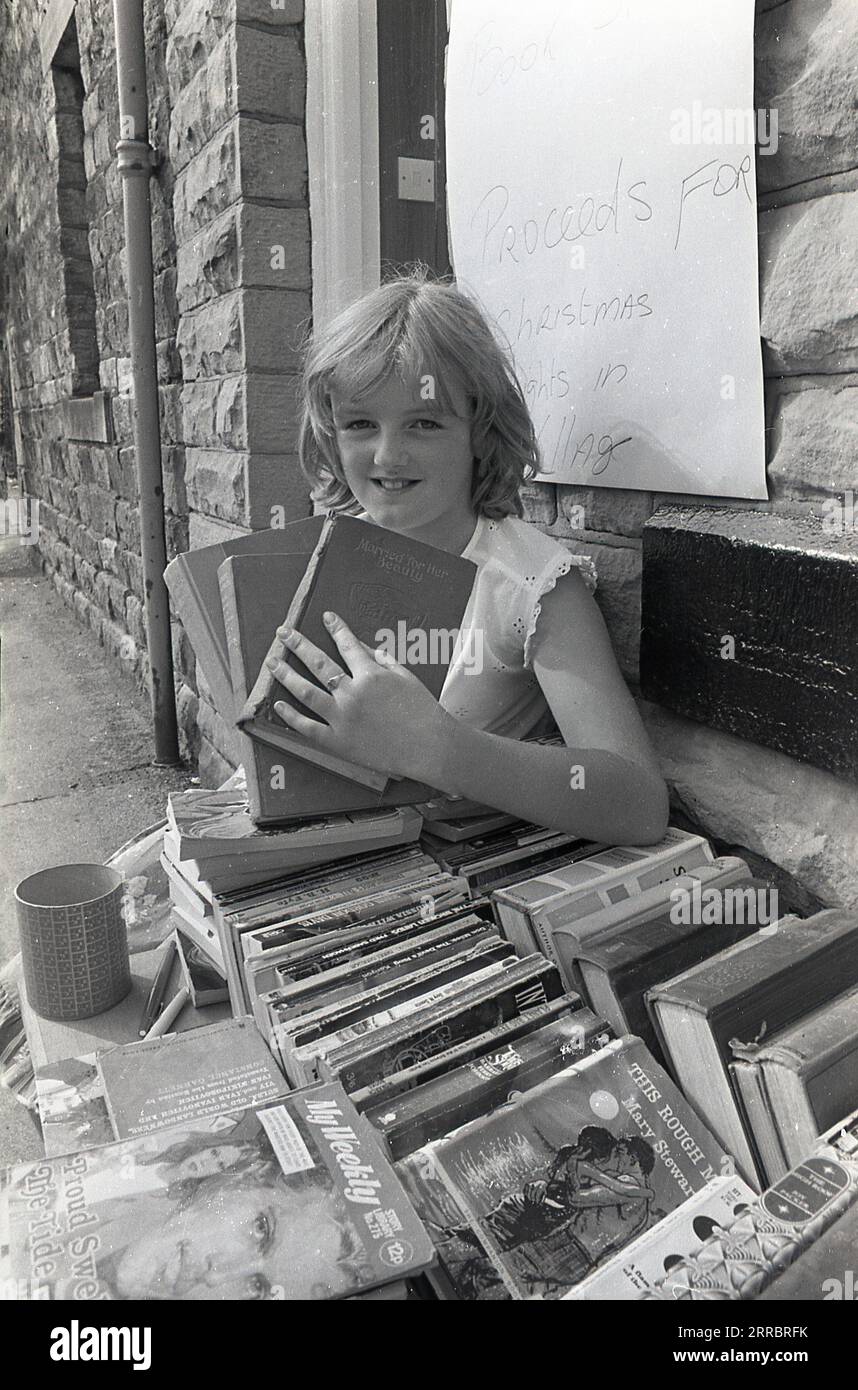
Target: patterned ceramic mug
x,y
73,940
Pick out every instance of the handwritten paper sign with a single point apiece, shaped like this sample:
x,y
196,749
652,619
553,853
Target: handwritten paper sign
x,y
602,207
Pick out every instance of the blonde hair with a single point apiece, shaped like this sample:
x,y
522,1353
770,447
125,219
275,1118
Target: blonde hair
x,y
416,326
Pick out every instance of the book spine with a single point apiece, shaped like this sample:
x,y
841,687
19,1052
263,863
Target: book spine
x,y
201,634
234,976
297,747
482,1008
384,1090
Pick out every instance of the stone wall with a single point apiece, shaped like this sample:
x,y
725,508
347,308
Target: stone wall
x,y
65,312
231,247
787,813
235,76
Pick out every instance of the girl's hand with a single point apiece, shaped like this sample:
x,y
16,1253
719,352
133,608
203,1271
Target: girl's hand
x,y
376,712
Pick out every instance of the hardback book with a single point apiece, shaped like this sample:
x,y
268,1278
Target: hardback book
x,y
155,1083
303,1039
255,594
522,985
383,1091
378,582
479,849
790,1217
293,1201
192,581
680,1234
763,983
808,1076
619,967
526,1202
530,911
630,912
481,1084
758,1121
826,1271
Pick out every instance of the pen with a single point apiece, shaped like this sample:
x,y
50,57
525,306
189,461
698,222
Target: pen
x,y
171,1012
159,988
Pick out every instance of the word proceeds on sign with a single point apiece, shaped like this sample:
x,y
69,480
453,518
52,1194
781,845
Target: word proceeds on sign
x,y
610,231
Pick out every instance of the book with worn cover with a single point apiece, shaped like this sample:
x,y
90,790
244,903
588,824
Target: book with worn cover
x,y
192,581
379,583
530,911
152,1084
640,1266
765,982
526,1202
294,1201
790,1217
619,967
807,1075
479,1085
629,912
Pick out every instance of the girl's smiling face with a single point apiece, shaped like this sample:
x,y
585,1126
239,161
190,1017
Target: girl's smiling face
x,y
408,462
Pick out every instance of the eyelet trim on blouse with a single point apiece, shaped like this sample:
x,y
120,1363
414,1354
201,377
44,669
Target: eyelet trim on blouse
x,y
587,570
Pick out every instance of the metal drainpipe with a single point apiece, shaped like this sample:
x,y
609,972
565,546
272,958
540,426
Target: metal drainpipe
x,y
135,163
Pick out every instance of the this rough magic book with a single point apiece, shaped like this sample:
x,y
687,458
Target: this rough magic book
x,y
527,1201
293,1201
391,591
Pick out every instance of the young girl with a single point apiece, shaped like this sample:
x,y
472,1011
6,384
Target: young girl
x,y
413,419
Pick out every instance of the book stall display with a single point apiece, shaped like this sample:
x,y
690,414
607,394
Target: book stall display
x,y
393,1044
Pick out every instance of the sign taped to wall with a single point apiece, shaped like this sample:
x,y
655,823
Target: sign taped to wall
x,y
602,208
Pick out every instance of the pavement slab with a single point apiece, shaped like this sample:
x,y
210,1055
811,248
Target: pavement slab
x,y
76,773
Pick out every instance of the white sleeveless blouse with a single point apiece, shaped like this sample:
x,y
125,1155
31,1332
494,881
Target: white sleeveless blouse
x,y
517,566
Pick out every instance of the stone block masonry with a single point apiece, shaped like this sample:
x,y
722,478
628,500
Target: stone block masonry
x,y
231,244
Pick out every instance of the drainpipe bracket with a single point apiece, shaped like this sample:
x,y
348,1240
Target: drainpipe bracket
x,y
136,158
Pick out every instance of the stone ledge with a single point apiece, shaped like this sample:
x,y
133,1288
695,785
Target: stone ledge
x,y
747,622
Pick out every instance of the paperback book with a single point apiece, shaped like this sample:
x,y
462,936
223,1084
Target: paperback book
x,y
526,1202
292,1201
